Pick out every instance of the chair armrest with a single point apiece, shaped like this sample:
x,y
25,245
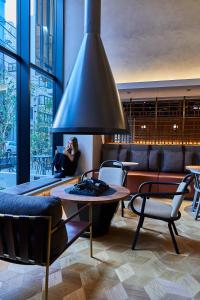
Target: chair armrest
x,y
71,217
145,196
85,174
150,183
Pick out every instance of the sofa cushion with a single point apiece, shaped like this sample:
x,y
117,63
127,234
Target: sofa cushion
x,y
110,154
141,157
197,158
172,161
31,206
154,160
122,155
189,158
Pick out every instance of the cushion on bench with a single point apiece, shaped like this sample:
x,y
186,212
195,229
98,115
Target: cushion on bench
x,y
136,178
31,206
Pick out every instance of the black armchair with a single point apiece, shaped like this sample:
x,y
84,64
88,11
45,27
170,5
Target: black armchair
x,y
32,231
144,206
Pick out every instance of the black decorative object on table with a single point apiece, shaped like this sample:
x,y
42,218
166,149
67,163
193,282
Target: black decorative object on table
x,y
89,187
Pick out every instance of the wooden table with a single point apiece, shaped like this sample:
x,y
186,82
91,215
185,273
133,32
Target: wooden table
x,y
127,163
103,206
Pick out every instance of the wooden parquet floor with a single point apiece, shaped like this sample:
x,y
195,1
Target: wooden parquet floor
x,y
153,271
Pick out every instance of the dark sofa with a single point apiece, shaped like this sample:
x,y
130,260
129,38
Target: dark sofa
x,y
156,162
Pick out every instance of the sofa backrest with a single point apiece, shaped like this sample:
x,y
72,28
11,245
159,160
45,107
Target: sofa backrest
x,y
171,158
160,158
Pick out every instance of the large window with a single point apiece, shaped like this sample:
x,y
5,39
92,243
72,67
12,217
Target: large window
x,y
8,24
42,33
40,123
8,146
31,62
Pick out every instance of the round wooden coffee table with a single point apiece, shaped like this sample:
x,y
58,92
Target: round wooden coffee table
x,y
103,206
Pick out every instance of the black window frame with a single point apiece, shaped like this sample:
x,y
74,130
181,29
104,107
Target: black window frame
x,y
24,65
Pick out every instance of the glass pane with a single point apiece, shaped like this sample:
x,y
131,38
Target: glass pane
x,y
8,24
41,118
42,33
8,145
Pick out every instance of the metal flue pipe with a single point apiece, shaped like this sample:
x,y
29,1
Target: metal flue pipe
x,y
91,103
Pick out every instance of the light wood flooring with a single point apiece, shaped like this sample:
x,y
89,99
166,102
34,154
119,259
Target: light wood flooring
x,y
153,271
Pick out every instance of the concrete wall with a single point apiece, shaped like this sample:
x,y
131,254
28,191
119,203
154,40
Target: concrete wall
x,y
74,22
90,147
145,40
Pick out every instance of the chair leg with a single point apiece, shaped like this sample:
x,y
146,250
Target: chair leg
x,y
173,238
198,210
174,227
122,208
46,283
90,220
140,223
195,200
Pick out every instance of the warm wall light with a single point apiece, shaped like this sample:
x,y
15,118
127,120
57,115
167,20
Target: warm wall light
x,y
143,126
175,126
196,107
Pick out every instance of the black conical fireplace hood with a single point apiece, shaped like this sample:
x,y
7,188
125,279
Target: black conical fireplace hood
x,y
91,103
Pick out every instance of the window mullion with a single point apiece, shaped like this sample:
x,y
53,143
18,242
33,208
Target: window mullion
x,y
23,92
58,64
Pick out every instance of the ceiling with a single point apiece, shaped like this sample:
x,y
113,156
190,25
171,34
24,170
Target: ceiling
x,y
152,40
159,89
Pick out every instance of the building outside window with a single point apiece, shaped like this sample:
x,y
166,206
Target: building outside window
x,y
41,123
8,96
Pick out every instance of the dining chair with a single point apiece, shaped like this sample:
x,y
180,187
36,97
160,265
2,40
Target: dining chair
x,y
143,205
112,172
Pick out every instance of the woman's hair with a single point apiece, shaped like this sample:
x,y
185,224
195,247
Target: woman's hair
x,y
74,143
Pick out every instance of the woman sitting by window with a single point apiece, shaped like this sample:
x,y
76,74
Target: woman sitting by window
x,y
66,163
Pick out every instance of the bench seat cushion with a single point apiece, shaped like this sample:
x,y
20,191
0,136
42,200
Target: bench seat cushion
x,y
31,206
135,178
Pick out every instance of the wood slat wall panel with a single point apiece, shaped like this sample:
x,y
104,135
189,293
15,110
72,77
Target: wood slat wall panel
x,y
161,121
